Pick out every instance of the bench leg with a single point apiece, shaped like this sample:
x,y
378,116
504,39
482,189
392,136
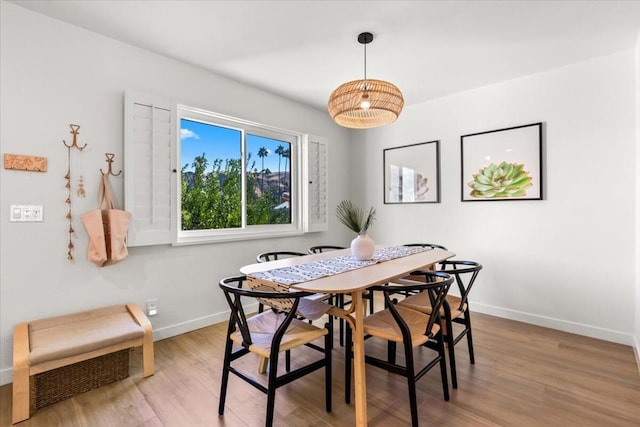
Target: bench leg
x,y
148,364
148,361
21,393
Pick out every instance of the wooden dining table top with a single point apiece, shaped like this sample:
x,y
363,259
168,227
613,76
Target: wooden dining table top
x,y
353,280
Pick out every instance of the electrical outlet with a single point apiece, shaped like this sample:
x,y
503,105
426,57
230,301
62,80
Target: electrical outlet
x,y
152,307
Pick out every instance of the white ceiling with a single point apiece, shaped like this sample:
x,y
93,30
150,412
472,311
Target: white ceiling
x,y
302,50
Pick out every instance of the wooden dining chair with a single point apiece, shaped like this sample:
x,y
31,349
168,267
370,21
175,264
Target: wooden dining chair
x,y
398,324
455,309
342,300
267,334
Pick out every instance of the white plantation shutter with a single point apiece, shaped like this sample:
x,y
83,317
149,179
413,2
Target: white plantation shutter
x,y
316,200
149,178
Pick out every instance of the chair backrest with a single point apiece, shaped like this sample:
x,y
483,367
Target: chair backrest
x,y
234,291
424,245
324,248
465,273
275,255
435,284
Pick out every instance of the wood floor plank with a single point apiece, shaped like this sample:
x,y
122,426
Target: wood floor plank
x,y
524,375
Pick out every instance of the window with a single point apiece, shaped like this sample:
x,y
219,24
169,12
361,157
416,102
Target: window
x,y
236,178
194,176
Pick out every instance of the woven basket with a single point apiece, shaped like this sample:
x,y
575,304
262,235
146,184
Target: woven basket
x,y
61,383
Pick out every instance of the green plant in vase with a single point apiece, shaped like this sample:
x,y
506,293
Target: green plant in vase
x,y
353,217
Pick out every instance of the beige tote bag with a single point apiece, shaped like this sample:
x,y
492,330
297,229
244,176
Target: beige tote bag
x,y
107,229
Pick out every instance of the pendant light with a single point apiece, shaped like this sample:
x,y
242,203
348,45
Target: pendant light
x,y
367,103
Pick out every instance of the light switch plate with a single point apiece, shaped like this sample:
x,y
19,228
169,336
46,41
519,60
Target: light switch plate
x,y
26,213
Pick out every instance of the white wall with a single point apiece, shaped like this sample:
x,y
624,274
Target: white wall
x,y
566,261
53,74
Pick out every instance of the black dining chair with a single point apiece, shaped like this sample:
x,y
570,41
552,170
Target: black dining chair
x,y
398,324
423,245
310,306
340,300
428,245
455,309
324,248
276,255
267,334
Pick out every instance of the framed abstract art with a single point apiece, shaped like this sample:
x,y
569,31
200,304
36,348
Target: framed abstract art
x,y
412,173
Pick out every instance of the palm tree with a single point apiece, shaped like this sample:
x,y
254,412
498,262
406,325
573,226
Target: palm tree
x,y
286,154
262,153
279,152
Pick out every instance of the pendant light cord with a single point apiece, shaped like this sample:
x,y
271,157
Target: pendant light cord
x,y
365,64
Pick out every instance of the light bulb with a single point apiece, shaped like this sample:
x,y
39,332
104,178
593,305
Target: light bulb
x,y
365,104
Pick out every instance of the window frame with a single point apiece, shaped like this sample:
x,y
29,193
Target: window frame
x,y
245,232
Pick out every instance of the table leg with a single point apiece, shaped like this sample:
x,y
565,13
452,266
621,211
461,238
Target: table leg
x,y
359,377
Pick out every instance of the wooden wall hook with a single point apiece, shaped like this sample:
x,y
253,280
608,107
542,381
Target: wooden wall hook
x,y
110,157
74,143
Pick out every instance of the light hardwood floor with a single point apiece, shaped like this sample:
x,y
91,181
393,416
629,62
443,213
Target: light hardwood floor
x,y
524,376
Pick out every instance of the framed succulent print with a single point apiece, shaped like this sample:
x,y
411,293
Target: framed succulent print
x,y
503,164
412,173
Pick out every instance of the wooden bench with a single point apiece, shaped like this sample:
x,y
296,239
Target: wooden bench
x,y
47,344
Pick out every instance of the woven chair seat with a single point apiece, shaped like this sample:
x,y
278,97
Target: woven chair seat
x,y
313,308
382,324
263,326
420,302
318,297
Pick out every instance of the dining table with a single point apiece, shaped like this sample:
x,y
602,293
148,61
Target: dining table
x,y
354,282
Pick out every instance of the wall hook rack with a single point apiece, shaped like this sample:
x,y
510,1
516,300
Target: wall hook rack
x,y
110,157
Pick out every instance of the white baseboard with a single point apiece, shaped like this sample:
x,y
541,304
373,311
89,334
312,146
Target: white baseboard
x,y
193,324
6,376
636,349
188,326
559,324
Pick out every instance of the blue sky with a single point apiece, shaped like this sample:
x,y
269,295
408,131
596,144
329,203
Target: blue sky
x,y
218,142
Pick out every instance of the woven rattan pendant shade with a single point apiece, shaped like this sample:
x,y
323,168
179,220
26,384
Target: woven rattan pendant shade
x,y
385,104
366,103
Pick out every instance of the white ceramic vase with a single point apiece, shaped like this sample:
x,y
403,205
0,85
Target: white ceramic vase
x,y
362,247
